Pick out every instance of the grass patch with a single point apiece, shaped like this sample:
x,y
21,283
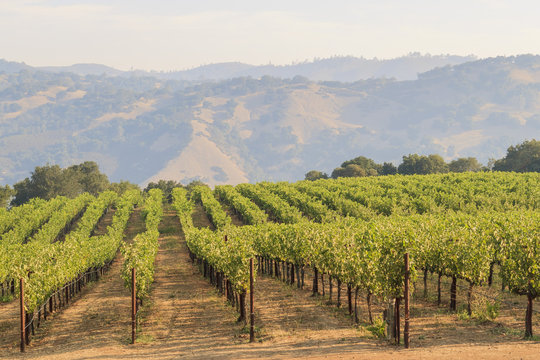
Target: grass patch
x,y
483,311
170,243
463,315
167,230
500,329
260,333
7,298
245,330
144,339
378,328
4,327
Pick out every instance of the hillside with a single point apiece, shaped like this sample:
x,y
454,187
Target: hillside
x,y
142,128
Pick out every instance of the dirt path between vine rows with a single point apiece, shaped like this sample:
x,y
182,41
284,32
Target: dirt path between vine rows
x,y
9,325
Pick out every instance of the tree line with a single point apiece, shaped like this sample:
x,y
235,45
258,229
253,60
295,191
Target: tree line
x,y
49,181
524,157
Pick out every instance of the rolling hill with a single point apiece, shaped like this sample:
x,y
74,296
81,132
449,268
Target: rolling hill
x,y
146,127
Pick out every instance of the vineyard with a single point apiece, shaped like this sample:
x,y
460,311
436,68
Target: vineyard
x,y
376,252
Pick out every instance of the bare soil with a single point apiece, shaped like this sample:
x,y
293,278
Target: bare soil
x,y
236,219
9,325
200,217
101,228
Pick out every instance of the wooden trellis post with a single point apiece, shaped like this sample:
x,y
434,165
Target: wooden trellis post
x,y
23,322
251,304
406,295
133,307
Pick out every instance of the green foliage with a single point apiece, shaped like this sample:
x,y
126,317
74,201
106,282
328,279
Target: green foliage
x,y
49,181
362,166
334,199
193,184
250,213
88,176
183,207
486,310
524,157
141,253
79,252
166,186
357,167
421,164
271,203
388,169
6,193
315,175
363,162
230,257
310,207
452,224
378,329
464,164
437,193
368,165
218,216
520,251
351,170
123,186
37,214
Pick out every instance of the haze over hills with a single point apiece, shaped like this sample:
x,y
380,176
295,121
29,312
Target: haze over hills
x,y
144,128
339,68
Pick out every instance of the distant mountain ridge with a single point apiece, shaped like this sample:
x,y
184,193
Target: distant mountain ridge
x,y
340,68
144,128
84,69
343,69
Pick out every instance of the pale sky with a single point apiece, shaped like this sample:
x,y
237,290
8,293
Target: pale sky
x,y
177,35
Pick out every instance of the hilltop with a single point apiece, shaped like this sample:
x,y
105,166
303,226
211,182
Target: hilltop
x,y
338,68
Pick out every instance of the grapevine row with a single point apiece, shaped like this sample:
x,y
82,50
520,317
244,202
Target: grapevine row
x,y
230,257
211,206
141,253
250,213
13,254
335,201
47,267
271,203
369,255
439,193
312,208
77,260
10,218
30,223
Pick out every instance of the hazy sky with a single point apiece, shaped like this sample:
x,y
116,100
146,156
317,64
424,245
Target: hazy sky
x,y
175,35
